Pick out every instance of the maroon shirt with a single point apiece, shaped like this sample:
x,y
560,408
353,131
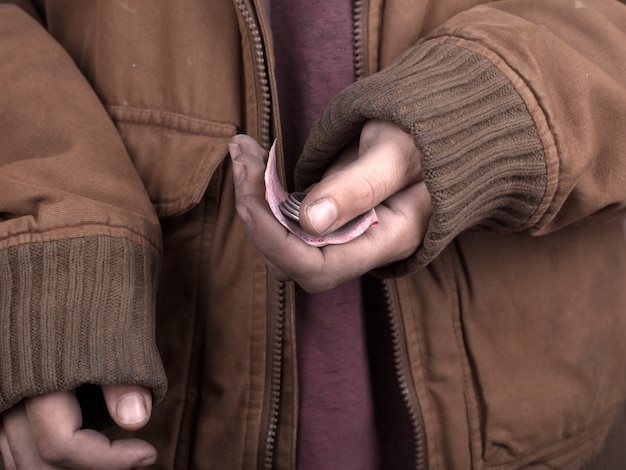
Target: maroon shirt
x,y
313,41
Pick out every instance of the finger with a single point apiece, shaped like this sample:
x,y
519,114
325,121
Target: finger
x,y
248,174
262,227
243,143
23,451
348,156
55,421
248,159
280,248
91,450
388,162
410,213
403,221
130,406
5,449
278,274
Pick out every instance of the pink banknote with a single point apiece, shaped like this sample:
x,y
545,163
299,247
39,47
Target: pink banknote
x,y
275,194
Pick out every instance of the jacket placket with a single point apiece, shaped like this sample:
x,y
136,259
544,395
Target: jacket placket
x,y
392,305
250,12
280,293
403,373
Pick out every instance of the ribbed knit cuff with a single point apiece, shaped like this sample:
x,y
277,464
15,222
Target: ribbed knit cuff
x,y
77,311
482,158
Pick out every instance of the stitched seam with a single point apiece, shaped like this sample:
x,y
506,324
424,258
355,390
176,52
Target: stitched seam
x,y
5,240
134,116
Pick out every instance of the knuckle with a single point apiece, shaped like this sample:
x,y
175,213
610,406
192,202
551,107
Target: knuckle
x,y
278,274
313,288
374,189
318,284
407,241
52,451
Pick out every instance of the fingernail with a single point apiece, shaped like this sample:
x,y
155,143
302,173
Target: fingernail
x,y
147,461
321,214
131,409
234,150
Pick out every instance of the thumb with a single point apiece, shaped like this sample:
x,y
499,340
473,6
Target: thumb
x,y
130,406
388,161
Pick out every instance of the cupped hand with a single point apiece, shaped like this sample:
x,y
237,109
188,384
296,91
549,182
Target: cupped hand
x,y
45,432
383,171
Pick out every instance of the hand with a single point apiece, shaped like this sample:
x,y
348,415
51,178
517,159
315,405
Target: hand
x,y
45,432
383,172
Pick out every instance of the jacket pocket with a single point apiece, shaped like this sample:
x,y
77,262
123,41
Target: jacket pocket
x,y
175,155
544,332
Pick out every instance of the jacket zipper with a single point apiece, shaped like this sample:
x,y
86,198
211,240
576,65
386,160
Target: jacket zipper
x,y
277,329
275,378
401,364
359,35
277,341
400,360
261,72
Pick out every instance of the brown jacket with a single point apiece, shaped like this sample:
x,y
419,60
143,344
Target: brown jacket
x,y
506,330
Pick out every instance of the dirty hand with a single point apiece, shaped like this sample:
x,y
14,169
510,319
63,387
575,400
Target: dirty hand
x,y
45,432
383,171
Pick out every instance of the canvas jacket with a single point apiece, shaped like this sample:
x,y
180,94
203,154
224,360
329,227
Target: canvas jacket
x,y
122,259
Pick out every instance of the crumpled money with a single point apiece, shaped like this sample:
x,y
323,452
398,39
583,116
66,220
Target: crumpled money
x,y
275,194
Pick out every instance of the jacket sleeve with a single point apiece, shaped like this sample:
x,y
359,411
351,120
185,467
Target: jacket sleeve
x,y
519,110
79,240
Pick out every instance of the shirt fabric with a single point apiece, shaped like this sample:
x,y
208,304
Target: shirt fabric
x,y
313,43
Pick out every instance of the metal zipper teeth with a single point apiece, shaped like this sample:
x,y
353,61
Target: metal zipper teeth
x,y
279,325
261,71
359,38
408,395
277,357
406,390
